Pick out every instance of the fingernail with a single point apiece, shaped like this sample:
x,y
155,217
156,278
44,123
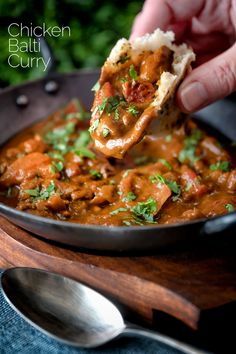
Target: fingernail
x,y
193,96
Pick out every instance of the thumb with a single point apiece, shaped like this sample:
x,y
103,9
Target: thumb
x,y
209,82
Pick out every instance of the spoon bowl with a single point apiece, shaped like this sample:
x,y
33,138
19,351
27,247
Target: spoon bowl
x,y
70,311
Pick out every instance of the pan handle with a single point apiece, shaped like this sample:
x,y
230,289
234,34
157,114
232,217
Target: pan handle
x,y
220,224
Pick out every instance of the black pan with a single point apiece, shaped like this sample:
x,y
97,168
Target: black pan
x,y
23,105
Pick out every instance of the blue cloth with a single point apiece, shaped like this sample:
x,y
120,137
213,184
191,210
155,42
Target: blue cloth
x,y
18,337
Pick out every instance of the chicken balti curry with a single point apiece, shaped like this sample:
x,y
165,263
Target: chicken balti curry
x,y
53,170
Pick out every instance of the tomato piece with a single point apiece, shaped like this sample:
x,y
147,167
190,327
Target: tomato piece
x,y
72,107
105,91
138,92
192,183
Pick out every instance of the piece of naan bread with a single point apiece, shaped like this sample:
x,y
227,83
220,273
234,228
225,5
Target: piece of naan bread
x,y
137,86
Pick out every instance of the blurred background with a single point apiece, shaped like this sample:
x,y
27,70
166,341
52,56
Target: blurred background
x,y
95,26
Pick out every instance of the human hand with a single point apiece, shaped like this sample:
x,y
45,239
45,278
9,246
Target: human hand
x,y
209,27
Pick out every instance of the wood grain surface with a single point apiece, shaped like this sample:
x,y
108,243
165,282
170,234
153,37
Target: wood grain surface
x,y
187,284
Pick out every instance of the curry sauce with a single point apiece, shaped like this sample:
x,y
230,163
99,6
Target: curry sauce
x,y
52,169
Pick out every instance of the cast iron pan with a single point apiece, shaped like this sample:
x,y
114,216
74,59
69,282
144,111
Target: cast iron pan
x,y
23,105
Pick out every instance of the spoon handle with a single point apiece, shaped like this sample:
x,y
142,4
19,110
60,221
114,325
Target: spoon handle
x,y
132,329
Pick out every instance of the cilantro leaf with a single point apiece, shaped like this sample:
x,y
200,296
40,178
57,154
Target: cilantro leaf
x,y
229,207
105,132
190,144
60,137
133,72
33,192
83,139
223,166
42,194
166,163
174,187
119,210
117,115
146,210
94,126
133,110
56,155
95,173
84,152
57,166
130,197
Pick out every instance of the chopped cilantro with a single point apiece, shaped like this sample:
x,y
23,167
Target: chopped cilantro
x,y
157,178
33,192
84,152
166,163
221,166
83,139
56,166
42,194
126,222
130,197
48,192
146,210
113,103
95,174
94,126
100,108
117,114
70,128
119,210
52,169
133,110
59,137
123,80
105,132
190,144
96,87
59,166
229,207
138,221
133,72
174,187
73,115
56,155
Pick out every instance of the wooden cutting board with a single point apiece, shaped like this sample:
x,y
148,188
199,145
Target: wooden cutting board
x,y
191,285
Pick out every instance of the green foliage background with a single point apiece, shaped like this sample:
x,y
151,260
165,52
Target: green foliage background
x,y
95,27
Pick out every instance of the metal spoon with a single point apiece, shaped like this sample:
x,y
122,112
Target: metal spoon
x,y
69,311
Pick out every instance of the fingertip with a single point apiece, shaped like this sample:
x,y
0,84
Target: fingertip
x,y
192,96
179,103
